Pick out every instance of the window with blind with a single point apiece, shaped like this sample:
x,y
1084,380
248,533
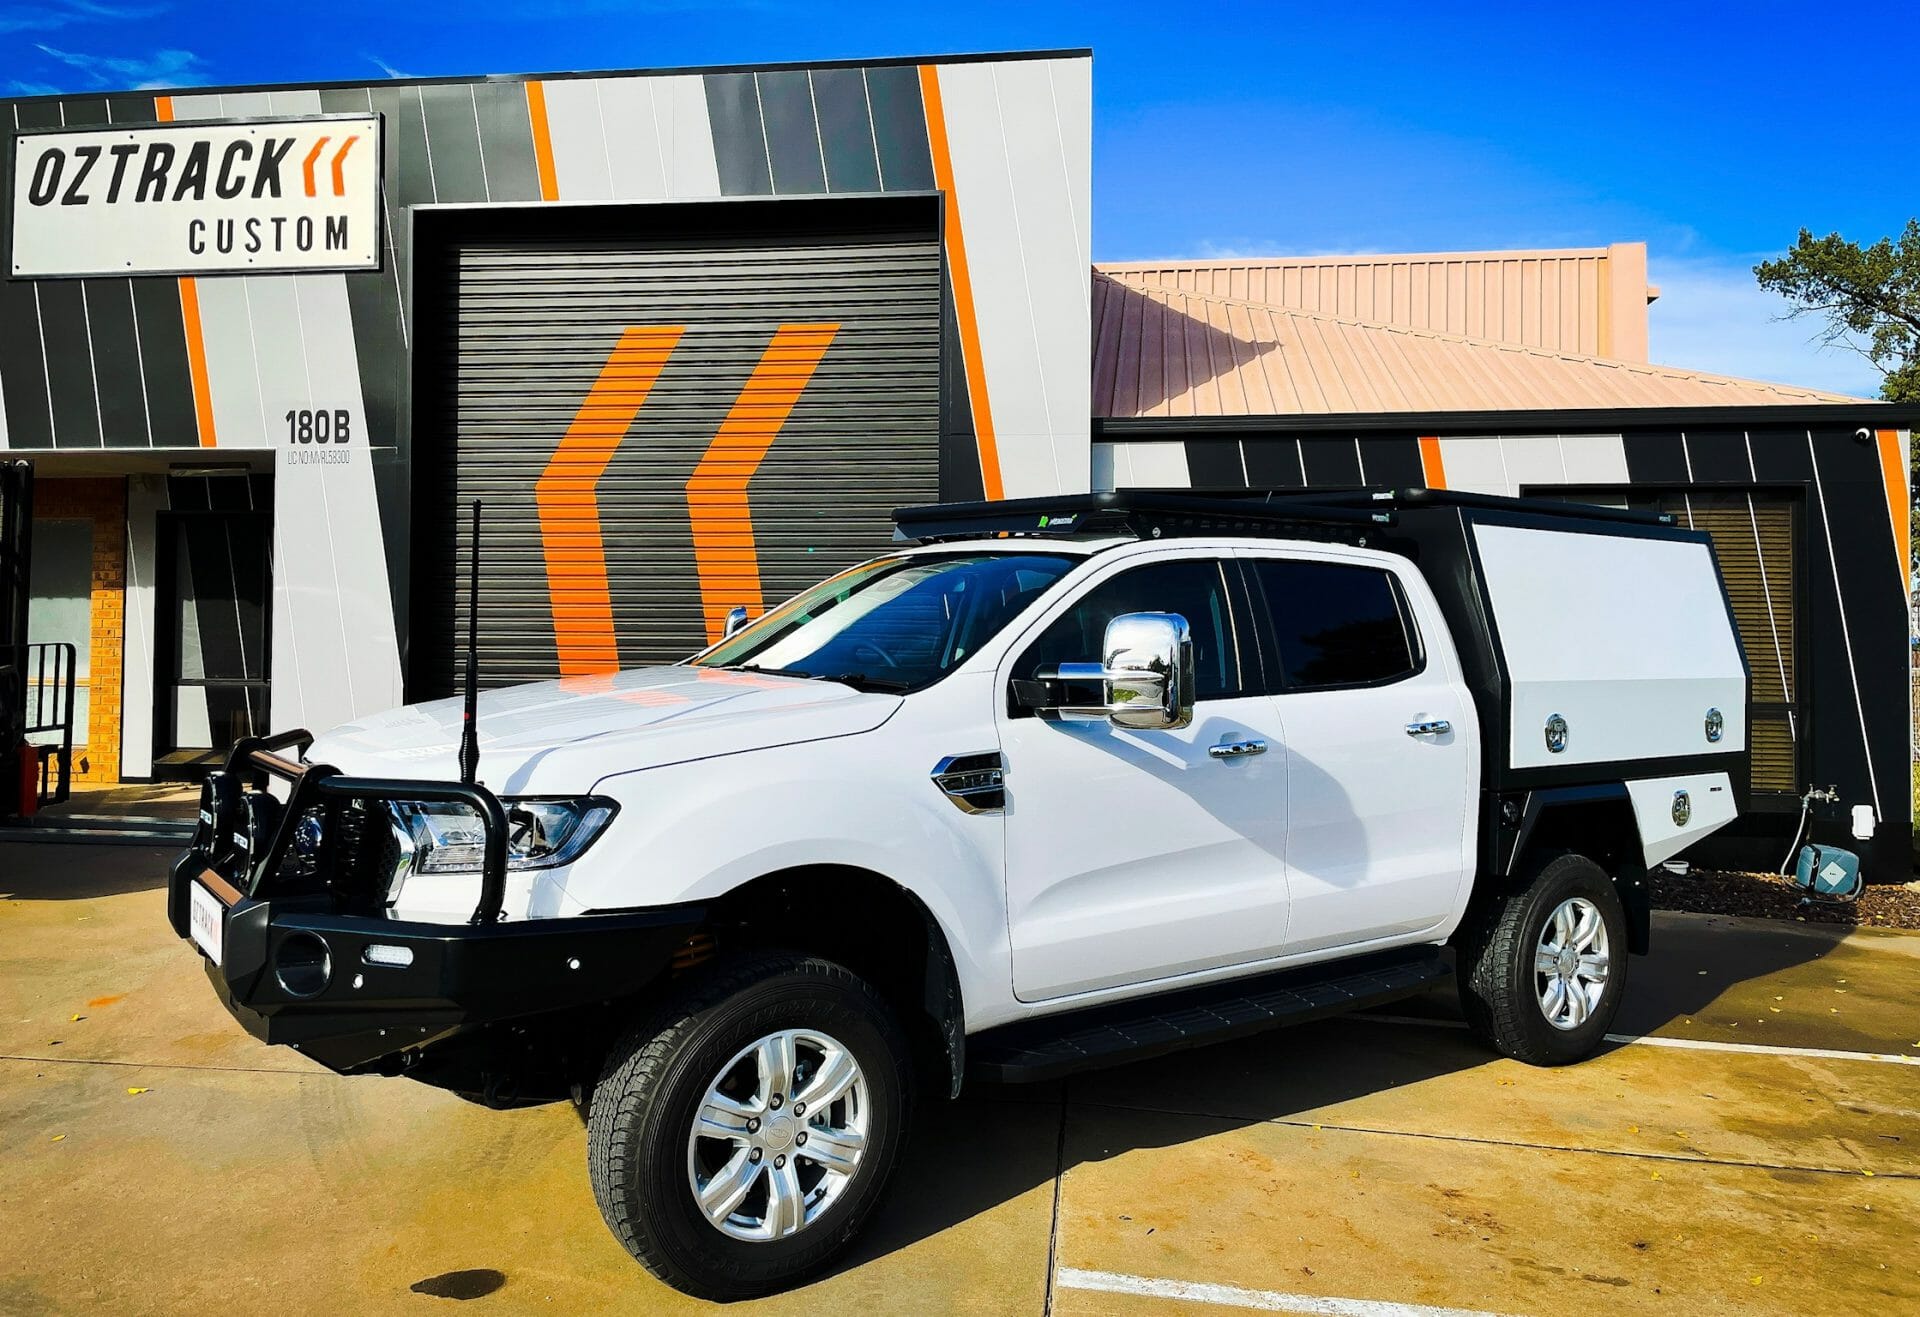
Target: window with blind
x,y
1754,536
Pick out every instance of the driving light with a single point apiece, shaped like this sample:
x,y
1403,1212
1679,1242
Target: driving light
x,y
379,953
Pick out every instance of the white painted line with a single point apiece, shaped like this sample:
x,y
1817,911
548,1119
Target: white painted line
x,y
1688,1044
1763,1049
1232,1296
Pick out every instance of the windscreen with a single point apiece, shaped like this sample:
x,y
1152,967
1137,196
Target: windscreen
x,y
893,624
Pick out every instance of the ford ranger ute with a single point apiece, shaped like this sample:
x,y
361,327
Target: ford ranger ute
x,y
1056,784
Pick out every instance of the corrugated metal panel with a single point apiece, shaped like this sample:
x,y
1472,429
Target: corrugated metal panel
x,y
533,324
1753,538
1162,352
1587,300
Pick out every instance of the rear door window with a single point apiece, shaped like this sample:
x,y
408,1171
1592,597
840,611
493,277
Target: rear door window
x,y
1335,625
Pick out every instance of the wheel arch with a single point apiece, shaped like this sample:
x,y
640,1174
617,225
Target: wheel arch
x,y
1596,821
893,940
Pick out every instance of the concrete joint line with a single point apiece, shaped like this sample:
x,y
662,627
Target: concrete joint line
x,y
1232,1296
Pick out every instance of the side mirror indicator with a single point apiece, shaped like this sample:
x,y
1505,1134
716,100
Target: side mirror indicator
x,y
1146,676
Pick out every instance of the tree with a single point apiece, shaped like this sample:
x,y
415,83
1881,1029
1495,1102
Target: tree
x,y
1870,293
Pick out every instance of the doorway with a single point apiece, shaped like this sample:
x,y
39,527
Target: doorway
x,y
213,583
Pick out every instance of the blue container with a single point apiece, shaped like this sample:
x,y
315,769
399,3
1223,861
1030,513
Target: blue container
x,y
1829,872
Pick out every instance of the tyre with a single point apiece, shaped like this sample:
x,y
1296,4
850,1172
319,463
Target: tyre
x,y
738,1140
1543,971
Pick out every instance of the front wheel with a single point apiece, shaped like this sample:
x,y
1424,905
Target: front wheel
x,y
1543,971
738,1142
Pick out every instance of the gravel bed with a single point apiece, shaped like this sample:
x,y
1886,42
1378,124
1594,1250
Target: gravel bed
x,y
1767,896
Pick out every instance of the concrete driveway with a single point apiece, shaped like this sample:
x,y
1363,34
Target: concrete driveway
x,y
1758,1152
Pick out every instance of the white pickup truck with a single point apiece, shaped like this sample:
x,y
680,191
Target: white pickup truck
x,y
1058,783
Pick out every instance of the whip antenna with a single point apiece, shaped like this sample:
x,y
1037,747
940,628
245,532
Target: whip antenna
x,y
469,730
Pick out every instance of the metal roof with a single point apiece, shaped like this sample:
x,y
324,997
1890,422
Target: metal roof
x,y
1589,300
1173,353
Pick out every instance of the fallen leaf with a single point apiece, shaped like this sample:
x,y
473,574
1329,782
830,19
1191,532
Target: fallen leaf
x,y
1774,1009
1679,1134
75,1019
1656,1175
136,1092
1633,1129
1756,1280
1868,1174
1779,998
58,1137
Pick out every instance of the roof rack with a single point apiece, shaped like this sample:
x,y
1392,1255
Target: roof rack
x,y
1143,514
1339,516
1419,496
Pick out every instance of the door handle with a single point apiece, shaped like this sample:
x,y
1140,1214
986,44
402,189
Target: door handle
x,y
1429,727
1235,749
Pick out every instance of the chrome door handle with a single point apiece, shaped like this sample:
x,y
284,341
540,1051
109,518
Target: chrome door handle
x,y
1235,749
1431,727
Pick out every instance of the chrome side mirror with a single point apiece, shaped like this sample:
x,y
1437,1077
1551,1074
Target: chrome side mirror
x,y
1147,674
736,618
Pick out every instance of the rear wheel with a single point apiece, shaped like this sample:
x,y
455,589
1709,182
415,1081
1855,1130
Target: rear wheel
x,y
739,1140
1542,974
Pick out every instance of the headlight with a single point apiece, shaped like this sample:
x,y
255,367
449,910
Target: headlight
x,y
540,834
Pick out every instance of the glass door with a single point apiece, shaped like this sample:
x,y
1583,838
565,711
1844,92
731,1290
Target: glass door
x,y
211,620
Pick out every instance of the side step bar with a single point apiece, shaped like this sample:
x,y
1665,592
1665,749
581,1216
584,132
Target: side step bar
x,y
1029,1051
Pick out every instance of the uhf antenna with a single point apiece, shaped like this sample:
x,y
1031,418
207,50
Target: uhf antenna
x,y
470,729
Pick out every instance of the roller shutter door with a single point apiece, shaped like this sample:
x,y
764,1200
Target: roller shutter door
x,y
784,394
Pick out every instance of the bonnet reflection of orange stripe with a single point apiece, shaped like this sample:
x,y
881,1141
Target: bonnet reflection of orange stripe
x,y
190,322
577,590
717,507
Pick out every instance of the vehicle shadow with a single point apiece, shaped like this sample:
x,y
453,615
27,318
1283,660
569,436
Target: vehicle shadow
x,y
997,1143
56,871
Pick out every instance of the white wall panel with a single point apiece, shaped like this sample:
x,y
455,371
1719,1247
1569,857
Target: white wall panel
x,y
281,343
582,168
631,139
1021,184
1475,466
146,498
1594,459
1140,466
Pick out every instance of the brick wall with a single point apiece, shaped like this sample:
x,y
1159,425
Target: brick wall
x,y
104,503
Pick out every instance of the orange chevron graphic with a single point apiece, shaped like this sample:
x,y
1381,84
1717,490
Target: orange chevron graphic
x,y
717,507
340,165
313,158
570,536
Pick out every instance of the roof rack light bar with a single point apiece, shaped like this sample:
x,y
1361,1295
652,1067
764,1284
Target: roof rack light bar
x,y
1143,514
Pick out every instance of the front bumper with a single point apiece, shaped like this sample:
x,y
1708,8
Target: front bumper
x,y
294,968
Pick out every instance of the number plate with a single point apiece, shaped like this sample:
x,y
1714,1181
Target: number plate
x,y
206,920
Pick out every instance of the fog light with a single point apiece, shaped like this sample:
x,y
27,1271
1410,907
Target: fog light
x,y
302,965
379,953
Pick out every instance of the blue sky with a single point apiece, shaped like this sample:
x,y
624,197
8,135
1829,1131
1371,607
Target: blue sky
x,y
1711,132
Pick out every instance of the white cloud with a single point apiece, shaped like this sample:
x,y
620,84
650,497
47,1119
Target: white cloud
x,y
163,68
385,67
1712,316
62,13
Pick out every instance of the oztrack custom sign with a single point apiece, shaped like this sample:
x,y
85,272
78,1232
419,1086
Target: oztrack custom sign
x,y
248,197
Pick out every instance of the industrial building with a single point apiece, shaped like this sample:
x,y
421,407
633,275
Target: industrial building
x,y
690,335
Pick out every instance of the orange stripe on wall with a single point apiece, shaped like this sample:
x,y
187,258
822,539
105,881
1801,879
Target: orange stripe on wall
x,y
542,141
1893,470
577,589
962,284
723,551
190,321
1432,468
